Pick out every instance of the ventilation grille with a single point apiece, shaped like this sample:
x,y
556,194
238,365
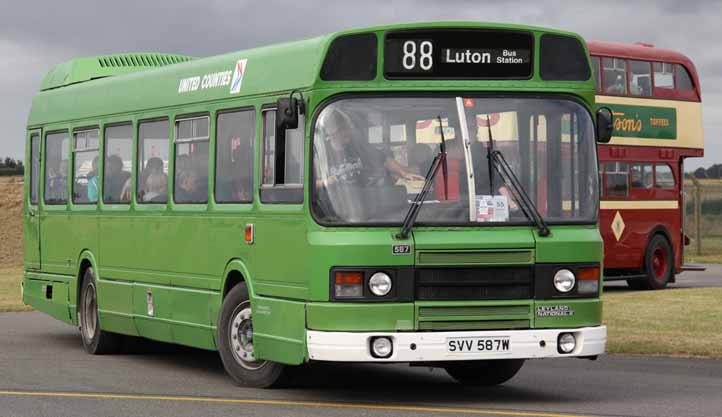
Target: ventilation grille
x,y
140,60
470,317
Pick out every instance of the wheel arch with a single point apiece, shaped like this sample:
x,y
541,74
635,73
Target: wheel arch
x,y
235,273
86,260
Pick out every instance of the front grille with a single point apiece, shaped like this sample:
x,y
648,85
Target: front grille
x,y
484,283
448,318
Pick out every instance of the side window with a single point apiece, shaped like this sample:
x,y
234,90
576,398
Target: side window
x,y
235,134
34,167
292,158
615,76
664,177
118,163
85,167
596,64
56,168
642,176
663,75
640,83
616,179
684,81
153,146
191,160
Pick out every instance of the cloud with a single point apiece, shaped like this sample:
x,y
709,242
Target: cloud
x,y
33,42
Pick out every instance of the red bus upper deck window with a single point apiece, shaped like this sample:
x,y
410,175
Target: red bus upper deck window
x,y
615,76
684,81
596,69
640,78
663,75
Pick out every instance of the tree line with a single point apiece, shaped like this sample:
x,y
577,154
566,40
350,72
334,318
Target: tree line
x,y
10,166
713,172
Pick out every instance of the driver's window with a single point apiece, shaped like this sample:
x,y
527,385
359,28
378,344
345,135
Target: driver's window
x,y
289,187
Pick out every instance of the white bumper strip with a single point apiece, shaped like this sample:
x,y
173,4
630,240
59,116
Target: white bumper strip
x,y
433,346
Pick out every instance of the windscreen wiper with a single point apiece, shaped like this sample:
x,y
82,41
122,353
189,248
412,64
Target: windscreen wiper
x,y
439,160
496,158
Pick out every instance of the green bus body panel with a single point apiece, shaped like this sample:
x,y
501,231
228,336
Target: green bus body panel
x,y
279,330
35,291
570,244
183,254
359,317
586,312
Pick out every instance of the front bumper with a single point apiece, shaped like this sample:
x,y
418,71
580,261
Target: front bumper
x,y
432,346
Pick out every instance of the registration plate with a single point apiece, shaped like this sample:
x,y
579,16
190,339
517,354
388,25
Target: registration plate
x,y
494,344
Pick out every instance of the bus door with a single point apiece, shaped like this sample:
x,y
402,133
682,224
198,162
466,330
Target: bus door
x,y
32,196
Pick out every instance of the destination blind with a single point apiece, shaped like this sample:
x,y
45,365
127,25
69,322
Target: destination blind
x,y
458,54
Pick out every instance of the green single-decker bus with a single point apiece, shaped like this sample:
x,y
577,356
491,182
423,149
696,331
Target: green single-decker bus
x,y
419,193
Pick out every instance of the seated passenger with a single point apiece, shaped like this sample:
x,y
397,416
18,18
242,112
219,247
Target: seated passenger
x,y
57,189
153,165
92,191
157,189
115,179
189,188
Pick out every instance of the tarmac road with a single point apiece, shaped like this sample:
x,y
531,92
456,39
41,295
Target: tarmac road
x,y
712,277
45,372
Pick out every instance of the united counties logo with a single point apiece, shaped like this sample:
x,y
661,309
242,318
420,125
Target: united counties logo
x,y
238,73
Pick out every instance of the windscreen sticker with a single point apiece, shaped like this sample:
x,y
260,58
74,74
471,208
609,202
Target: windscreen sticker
x,y
492,208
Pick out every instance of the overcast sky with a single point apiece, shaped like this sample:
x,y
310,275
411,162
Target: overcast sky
x,y
34,35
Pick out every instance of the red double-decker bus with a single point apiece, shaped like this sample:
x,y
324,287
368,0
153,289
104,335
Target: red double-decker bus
x,y
656,99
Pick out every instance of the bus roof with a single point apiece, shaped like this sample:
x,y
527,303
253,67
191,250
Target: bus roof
x,y
115,84
644,52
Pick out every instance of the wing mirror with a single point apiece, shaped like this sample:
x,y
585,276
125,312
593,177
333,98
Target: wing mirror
x,y
287,111
605,124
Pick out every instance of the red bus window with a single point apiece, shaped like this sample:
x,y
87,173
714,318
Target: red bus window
x,y
640,78
615,76
597,76
642,176
616,179
663,75
684,81
664,177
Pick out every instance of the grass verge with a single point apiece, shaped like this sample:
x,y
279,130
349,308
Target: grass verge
x,y
10,298
680,322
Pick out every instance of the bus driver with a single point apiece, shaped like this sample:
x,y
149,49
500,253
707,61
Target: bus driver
x,y
354,161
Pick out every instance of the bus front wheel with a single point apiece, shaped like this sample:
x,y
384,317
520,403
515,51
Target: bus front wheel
x,y
235,343
95,340
484,373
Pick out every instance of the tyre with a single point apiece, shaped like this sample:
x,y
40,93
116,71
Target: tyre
x,y
658,265
235,343
484,373
95,340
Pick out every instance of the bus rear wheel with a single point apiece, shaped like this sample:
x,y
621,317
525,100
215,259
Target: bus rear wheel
x,y
484,373
95,340
235,343
658,265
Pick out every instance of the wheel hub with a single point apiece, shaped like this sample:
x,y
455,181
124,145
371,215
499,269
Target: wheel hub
x,y
241,337
89,313
659,263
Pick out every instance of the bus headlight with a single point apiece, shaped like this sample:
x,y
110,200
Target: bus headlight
x,y
564,280
380,284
